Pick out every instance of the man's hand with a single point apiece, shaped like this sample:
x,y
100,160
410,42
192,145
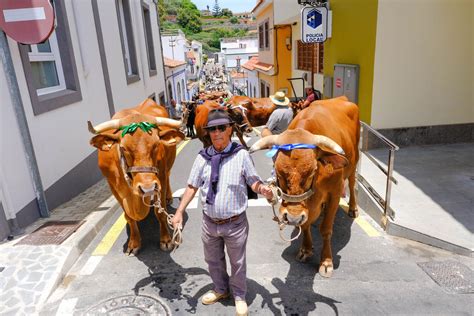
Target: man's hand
x,y
177,220
266,191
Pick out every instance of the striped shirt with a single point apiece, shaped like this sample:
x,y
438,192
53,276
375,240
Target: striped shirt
x,y
235,173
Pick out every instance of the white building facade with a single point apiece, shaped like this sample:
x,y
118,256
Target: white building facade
x,y
237,51
104,56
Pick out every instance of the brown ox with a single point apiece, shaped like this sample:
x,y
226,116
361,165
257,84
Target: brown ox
x,y
237,115
258,109
137,164
312,179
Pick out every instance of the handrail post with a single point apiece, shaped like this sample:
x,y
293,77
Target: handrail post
x,y
388,190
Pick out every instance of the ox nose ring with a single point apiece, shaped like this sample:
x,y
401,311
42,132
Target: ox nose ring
x,y
148,191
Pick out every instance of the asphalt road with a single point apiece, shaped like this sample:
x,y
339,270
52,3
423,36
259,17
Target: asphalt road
x,y
375,274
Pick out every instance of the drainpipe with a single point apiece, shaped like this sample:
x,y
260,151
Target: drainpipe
x,y
22,124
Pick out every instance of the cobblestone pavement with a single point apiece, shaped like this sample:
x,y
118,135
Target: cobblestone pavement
x,y
31,273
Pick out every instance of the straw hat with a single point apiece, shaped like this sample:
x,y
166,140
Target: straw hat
x,y
279,98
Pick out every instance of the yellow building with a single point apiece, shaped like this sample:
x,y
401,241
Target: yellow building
x,y
275,50
415,72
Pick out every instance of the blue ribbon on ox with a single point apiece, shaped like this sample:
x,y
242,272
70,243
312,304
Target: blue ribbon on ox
x,y
275,148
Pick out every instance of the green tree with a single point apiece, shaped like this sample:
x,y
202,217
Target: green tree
x,y
216,10
189,17
161,11
234,20
226,12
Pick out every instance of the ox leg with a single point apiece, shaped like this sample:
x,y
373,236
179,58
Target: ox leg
x,y
353,211
326,266
135,241
306,249
165,238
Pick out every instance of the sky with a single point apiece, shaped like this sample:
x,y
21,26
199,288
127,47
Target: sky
x,y
233,5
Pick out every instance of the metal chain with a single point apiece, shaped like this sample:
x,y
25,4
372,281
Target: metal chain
x,y
177,238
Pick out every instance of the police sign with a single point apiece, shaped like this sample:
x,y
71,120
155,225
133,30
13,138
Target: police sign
x,y
314,21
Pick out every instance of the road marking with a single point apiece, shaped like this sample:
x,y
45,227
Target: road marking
x,y
194,202
109,239
90,265
366,227
67,307
181,146
369,229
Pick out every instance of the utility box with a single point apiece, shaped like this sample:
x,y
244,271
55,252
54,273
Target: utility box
x,y
327,87
346,81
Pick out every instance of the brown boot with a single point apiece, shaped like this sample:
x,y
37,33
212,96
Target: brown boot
x,y
212,296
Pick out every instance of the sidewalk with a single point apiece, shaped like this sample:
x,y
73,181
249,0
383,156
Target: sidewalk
x,y
434,198
30,272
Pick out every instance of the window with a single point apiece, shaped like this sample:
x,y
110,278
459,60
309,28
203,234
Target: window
x,y
308,53
46,66
264,89
50,68
179,92
170,91
149,40
267,36
128,44
184,90
264,35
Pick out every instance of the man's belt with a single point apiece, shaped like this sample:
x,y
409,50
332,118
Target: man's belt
x,y
219,221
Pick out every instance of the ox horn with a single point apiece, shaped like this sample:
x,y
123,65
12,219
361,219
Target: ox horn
x,y
162,121
111,124
265,142
319,140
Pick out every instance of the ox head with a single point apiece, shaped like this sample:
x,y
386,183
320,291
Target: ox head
x,y
135,144
238,115
298,170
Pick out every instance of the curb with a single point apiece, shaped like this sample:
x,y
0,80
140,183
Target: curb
x,y
80,240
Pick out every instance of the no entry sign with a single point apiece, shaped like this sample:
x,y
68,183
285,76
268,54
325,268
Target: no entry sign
x,y
27,21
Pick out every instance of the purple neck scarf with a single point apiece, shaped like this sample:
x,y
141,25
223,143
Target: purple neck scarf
x,y
216,159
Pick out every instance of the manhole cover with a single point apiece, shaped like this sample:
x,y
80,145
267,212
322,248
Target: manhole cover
x,y
130,305
452,276
51,233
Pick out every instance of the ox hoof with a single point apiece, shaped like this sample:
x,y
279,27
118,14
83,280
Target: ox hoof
x,y
304,255
132,252
325,270
353,213
166,246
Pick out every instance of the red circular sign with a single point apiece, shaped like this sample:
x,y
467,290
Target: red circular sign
x,y
27,21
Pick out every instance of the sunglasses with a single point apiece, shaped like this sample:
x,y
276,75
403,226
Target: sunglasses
x,y
218,127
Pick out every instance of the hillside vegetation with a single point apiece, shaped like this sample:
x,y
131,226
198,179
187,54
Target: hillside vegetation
x,y
184,15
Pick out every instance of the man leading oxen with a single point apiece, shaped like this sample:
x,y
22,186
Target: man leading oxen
x,y
314,157
137,149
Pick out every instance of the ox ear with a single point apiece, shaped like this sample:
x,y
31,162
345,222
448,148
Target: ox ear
x,y
171,137
104,142
331,159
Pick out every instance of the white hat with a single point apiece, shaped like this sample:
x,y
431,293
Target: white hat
x,y
279,98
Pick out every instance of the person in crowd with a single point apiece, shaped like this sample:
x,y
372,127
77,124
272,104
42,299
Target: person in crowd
x,y
281,117
311,95
225,172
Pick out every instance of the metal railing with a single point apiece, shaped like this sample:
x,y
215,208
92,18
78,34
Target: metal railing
x,y
384,203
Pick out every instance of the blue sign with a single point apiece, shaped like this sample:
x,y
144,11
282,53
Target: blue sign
x,y
314,18
314,22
